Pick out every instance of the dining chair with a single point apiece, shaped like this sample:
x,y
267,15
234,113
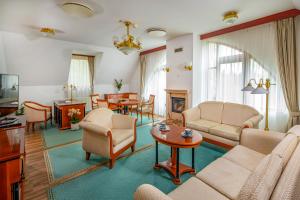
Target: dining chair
x,y
94,98
147,108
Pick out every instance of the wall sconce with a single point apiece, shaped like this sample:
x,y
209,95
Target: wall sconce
x,y
166,69
188,67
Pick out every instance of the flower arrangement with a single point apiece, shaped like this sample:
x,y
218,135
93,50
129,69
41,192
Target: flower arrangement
x,y
118,84
74,115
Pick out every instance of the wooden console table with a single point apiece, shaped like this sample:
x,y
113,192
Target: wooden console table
x,y
12,163
61,109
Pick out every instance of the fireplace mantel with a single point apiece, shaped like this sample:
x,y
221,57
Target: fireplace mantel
x,y
171,94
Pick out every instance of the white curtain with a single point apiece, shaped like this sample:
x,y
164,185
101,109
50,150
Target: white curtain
x,y
228,63
155,80
79,75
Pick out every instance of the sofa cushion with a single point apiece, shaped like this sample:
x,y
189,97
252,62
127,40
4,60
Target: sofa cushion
x,y
225,176
201,125
211,110
193,189
244,157
119,135
286,147
226,131
261,183
288,186
236,114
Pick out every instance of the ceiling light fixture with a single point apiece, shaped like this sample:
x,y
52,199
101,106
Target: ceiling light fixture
x,y
230,17
47,32
156,32
129,44
77,9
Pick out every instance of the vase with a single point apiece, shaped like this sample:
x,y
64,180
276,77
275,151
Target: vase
x,y
75,127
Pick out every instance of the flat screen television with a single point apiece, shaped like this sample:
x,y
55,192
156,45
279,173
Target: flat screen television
x,y
9,94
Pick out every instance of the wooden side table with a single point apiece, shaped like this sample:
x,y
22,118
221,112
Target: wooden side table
x,y
174,139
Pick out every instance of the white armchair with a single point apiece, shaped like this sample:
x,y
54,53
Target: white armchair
x,y
36,113
108,134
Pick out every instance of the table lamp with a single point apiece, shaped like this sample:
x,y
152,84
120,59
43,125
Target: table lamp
x,y
262,87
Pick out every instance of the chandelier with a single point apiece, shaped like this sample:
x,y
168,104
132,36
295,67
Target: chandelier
x,y
129,44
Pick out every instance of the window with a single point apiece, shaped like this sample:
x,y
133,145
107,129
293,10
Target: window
x,y
80,75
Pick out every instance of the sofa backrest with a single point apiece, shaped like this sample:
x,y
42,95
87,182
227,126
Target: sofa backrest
x,y
288,186
211,110
101,117
236,114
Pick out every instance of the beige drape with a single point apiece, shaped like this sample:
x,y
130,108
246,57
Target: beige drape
x,y
286,49
91,60
142,74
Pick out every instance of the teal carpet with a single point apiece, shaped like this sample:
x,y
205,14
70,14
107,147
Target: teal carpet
x,y
69,159
129,173
55,137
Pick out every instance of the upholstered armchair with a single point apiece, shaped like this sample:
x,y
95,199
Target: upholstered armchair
x,y
94,98
107,134
147,108
37,113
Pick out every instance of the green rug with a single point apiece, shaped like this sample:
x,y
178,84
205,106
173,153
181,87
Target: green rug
x,y
129,173
69,159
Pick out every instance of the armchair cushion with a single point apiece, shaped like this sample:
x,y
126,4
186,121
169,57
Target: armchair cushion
x,y
244,157
226,131
120,135
123,121
201,125
211,110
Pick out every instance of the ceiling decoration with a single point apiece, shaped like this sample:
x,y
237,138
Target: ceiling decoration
x,y
230,17
47,32
156,32
77,9
129,44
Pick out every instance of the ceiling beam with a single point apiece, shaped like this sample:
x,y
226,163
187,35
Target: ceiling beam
x,y
153,50
256,22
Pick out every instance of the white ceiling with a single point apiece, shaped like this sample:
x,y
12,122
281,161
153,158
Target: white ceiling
x,y
178,17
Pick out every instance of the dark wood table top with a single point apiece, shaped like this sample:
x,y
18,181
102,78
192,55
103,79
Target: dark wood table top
x,y
174,138
12,144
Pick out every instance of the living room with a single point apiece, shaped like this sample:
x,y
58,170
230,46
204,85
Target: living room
x,y
150,100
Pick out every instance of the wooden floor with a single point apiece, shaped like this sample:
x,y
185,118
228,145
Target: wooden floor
x,y
36,177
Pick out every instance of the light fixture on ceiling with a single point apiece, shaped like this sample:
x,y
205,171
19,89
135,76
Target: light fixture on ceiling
x,y
47,32
156,32
129,44
230,17
77,9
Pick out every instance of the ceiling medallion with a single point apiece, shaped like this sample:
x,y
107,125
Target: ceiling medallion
x,y
47,32
156,32
77,9
129,44
230,17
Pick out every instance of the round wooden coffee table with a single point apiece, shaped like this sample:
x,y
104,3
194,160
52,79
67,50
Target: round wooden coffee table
x,y
174,139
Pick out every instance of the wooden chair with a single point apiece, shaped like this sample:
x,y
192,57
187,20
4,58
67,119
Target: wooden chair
x,y
134,107
102,103
147,108
36,113
94,98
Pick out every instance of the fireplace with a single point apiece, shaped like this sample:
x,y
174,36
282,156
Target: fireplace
x,y
178,104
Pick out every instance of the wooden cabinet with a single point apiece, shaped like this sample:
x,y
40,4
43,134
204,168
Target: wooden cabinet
x,y
12,162
61,109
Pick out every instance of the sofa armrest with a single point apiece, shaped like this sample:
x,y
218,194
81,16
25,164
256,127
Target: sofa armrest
x,y
260,140
253,121
123,121
91,127
295,130
149,192
191,114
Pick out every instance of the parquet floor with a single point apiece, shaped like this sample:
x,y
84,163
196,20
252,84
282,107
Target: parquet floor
x,y
36,177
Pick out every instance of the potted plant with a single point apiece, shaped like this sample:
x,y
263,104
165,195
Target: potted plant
x,y
74,118
118,84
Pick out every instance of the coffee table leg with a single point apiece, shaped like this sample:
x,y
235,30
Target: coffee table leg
x,y
156,154
193,158
177,164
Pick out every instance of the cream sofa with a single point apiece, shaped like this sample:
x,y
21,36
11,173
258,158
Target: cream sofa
x,y
107,134
264,166
221,122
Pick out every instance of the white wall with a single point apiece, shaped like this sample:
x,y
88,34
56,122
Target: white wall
x,y
178,78
43,65
3,68
298,54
